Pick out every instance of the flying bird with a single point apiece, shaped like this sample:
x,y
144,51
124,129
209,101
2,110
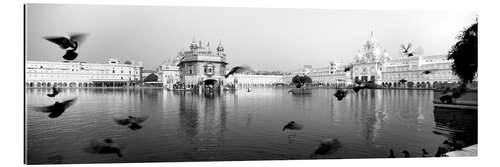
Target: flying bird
x,y
132,122
107,146
426,72
406,50
69,44
391,154
237,69
327,146
340,94
348,68
57,109
292,125
406,154
55,91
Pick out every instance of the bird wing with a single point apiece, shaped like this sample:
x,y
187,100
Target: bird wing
x,y
404,48
61,41
122,121
238,69
68,103
78,37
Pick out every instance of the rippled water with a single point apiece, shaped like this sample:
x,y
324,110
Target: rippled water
x,y
233,126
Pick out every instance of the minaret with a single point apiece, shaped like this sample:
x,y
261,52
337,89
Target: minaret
x,y
220,49
193,46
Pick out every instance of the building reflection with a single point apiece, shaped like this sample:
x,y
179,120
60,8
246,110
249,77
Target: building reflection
x,y
374,108
203,122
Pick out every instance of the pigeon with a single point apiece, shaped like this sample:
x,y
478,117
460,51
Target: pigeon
x,y
69,44
340,94
237,69
348,68
426,72
424,153
107,146
327,146
55,91
132,122
406,154
292,125
57,109
391,154
444,148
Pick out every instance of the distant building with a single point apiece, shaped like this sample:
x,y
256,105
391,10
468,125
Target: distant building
x,y
81,74
169,73
373,64
200,65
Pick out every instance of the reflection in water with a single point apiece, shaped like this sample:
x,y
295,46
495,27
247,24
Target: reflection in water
x,y
459,127
241,125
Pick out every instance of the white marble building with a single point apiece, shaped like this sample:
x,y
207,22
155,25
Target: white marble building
x,y
169,73
373,63
82,74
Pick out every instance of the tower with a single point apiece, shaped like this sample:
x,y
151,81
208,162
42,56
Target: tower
x,y
220,50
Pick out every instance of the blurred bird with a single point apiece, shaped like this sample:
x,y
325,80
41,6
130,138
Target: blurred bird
x,y
391,154
406,50
132,122
69,44
55,91
327,146
406,154
348,68
424,153
359,85
237,69
292,125
426,72
340,94
107,146
57,108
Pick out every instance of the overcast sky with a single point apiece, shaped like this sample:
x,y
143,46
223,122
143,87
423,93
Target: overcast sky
x,y
266,39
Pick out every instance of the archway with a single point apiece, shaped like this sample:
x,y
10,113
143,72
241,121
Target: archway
x,y
38,84
32,84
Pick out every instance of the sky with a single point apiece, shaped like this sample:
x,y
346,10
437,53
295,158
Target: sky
x,y
264,38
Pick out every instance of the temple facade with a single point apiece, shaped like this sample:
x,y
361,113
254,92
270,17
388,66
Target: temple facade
x,y
202,66
370,62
